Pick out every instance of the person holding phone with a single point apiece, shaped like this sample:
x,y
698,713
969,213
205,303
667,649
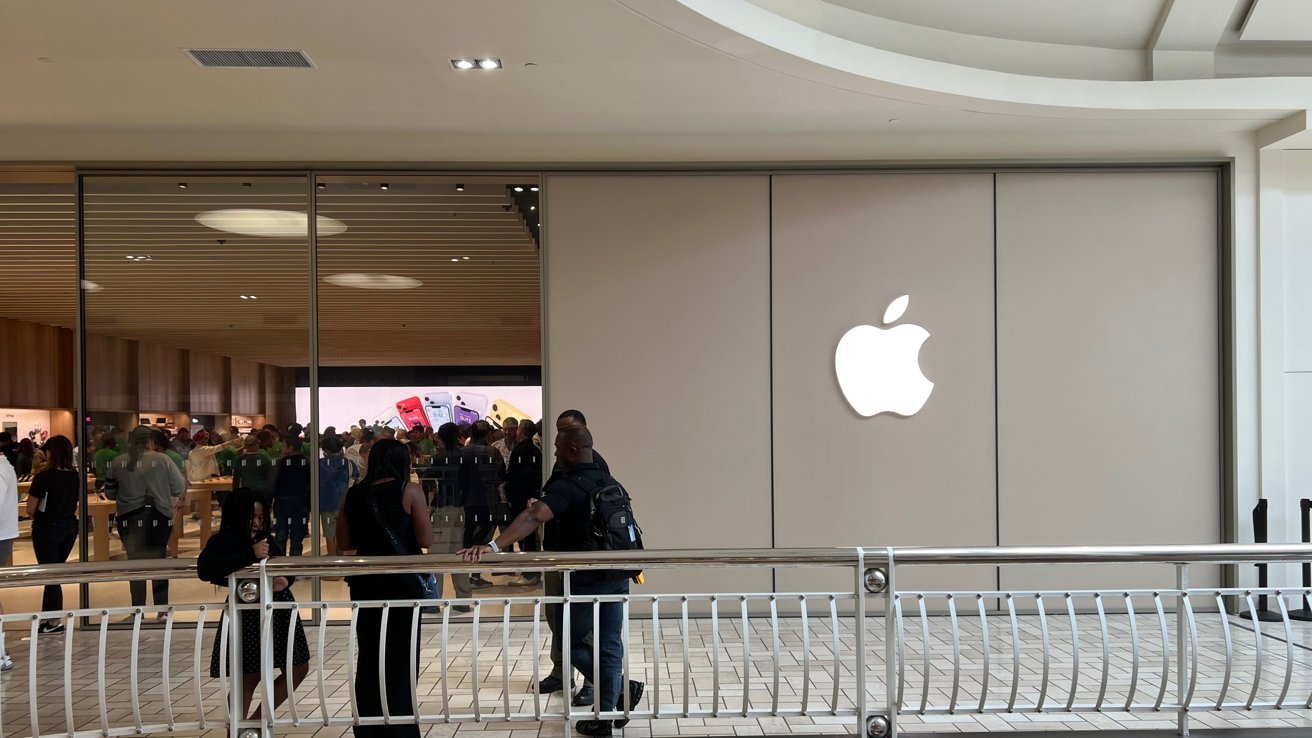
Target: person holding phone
x,y
243,540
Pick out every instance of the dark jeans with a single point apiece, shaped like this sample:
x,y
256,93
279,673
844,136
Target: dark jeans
x,y
52,541
607,638
290,523
137,545
398,657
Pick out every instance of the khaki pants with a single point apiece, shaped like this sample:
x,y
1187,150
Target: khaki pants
x,y
448,537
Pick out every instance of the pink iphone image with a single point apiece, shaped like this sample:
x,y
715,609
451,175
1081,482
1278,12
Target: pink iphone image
x,y
412,412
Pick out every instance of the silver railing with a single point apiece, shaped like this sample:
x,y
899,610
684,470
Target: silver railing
x,y
873,655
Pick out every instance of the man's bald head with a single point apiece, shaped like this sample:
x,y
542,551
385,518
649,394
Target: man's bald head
x,y
574,446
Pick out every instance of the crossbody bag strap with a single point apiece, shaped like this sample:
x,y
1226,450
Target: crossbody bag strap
x,y
387,530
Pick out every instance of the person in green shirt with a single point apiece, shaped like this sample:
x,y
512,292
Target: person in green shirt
x,y
225,459
165,446
252,468
106,453
269,445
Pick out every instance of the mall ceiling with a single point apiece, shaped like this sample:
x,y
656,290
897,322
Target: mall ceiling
x,y
154,273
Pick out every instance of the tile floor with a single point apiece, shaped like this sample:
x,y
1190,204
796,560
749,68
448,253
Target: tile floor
x,y
803,674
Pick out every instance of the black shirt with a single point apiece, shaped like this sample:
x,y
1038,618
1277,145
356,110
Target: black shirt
x,y
291,477
557,469
524,474
569,497
481,470
369,539
61,491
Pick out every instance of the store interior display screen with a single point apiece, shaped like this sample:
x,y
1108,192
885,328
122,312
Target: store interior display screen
x,y
402,407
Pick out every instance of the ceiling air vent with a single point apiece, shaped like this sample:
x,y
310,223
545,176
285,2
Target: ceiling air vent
x,y
251,58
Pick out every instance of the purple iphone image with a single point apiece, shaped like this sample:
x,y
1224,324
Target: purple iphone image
x,y
464,415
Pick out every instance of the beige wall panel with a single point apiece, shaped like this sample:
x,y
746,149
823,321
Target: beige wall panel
x,y
657,315
844,247
1108,405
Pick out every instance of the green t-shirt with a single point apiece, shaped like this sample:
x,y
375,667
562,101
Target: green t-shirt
x,y
427,447
102,459
273,453
253,471
225,458
177,459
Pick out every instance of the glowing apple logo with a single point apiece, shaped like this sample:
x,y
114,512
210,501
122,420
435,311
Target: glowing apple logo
x,y
879,369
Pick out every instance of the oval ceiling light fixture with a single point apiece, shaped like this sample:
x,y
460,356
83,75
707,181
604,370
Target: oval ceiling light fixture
x,y
369,281
89,286
268,223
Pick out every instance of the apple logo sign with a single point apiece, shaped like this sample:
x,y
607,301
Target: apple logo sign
x,y
879,368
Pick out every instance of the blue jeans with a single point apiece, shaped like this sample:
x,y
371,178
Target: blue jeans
x,y
608,638
290,516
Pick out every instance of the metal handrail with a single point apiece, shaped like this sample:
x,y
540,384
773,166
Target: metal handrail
x,y
109,571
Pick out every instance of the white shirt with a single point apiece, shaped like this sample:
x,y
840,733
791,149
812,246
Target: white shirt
x,y
201,464
8,500
352,452
505,451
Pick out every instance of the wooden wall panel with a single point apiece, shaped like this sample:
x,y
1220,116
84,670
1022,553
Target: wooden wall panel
x,y
209,383
111,373
162,378
37,365
247,393
279,395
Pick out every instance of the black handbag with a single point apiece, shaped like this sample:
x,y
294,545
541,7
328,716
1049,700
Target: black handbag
x,y
427,582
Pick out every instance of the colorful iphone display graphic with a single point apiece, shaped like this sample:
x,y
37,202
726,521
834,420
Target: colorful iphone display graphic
x,y
411,412
500,410
438,407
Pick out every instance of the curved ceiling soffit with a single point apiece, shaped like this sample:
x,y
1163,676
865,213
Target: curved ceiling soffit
x,y
746,31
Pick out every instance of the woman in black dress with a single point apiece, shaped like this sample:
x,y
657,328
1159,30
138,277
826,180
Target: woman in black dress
x,y
243,539
385,497
52,504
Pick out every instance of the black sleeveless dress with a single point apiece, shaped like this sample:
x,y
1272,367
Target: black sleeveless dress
x,y
369,539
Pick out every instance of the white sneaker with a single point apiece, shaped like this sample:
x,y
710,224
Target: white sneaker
x,y
6,663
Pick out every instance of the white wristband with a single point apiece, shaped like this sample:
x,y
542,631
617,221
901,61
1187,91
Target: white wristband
x,y
493,545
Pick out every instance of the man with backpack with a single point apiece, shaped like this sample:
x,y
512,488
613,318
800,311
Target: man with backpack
x,y
584,509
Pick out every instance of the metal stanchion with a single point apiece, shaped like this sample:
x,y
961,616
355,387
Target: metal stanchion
x,y
1305,613
1264,614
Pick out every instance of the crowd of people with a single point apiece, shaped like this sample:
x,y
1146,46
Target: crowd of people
x,y
471,490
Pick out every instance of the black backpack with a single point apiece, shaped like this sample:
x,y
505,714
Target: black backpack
x,y
614,527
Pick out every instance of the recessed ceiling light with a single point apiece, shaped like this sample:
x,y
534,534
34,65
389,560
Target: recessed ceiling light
x,y
489,63
460,188
384,186
532,207
323,185
138,257
455,260
367,281
534,189
89,286
463,64
268,223
519,189
246,184
248,297
466,258
182,185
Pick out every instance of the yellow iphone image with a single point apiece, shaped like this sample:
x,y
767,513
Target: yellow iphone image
x,y
500,410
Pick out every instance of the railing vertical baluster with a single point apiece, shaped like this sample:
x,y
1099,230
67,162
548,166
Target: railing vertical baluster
x,y
892,632
1015,652
1075,651
901,653
747,659
859,625
164,682
984,637
100,675
1193,653
293,618
1134,651
806,657
1043,633
69,723
1229,651
715,656
446,644
382,662
265,615
1289,648
596,659
412,656
687,663
625,697
197,649
566,650
1106,650
774,631
1166,652
133,662
838,669
655,656
1181,605
956,654
1257,648
924,637
475,677
320,665
32,703
505,658
537,654
350,662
